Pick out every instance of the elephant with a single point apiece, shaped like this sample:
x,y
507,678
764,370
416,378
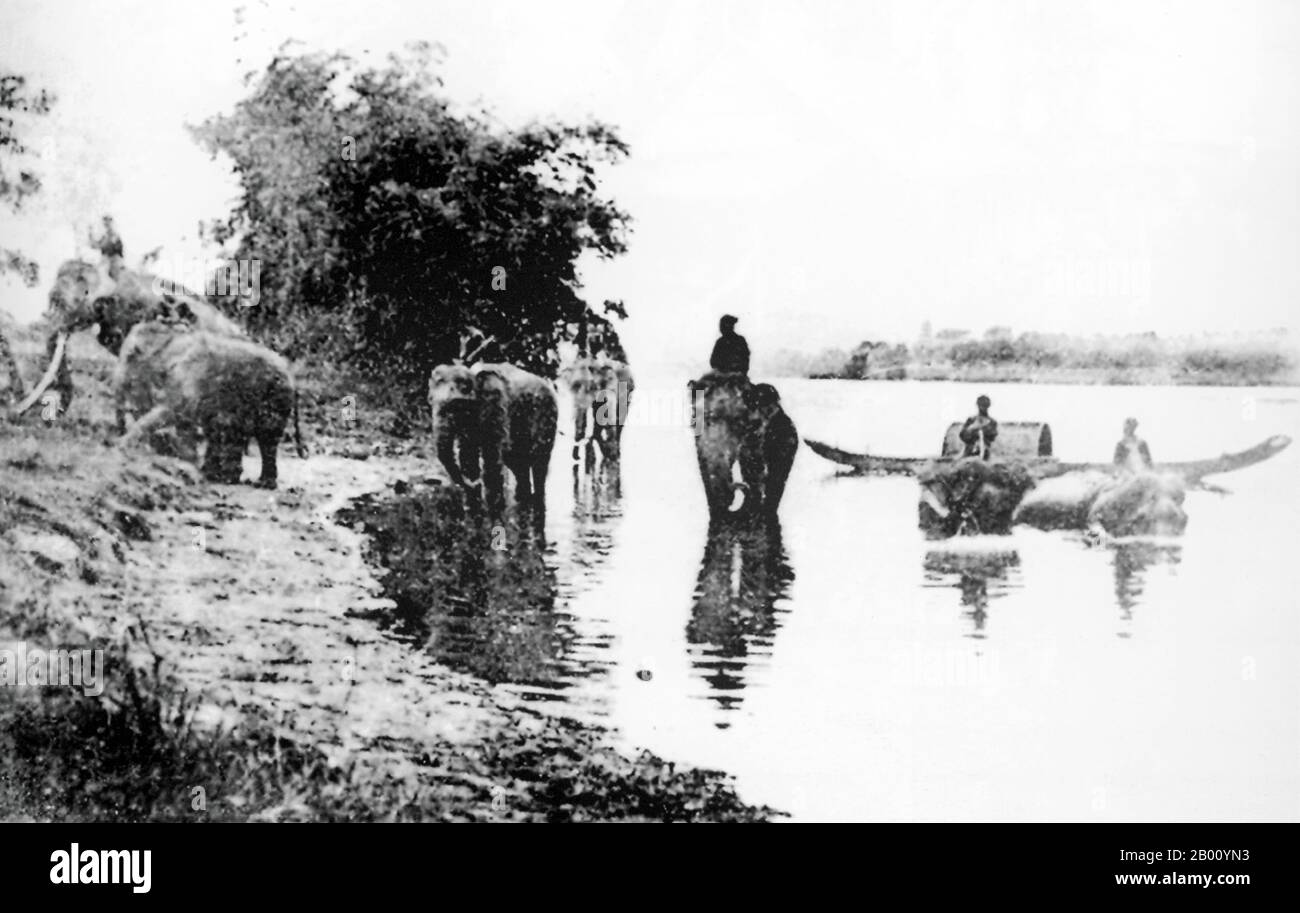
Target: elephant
x,y
602,396
1117,504
741,426
970,496
491,415
189,380
84,294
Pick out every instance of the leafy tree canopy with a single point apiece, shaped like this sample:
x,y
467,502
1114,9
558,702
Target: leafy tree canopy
x,y
387,222
17,183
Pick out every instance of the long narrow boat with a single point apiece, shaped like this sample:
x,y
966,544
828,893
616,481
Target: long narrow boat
x,y
1043,467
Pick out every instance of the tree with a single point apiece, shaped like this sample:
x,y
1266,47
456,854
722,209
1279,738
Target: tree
x,y
17,183
386,221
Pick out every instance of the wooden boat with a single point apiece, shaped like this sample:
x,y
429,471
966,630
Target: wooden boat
x,y
1030,444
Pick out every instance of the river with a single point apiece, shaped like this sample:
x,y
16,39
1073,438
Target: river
x,y
851,670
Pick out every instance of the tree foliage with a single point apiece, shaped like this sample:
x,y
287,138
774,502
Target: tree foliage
x,y
387,221
17,182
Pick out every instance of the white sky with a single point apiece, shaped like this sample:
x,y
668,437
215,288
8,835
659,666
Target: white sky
x,y
827,171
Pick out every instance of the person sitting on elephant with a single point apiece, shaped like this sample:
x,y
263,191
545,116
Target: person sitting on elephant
x,y
1132,453
730,352
109,244
980,430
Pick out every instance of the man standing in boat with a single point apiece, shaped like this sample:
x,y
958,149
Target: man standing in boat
x,y
979,431
730,352
1132,453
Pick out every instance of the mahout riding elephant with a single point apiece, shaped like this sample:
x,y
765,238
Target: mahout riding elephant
x,y
1118,504
84,294
601,390
493,415
741,426
189,380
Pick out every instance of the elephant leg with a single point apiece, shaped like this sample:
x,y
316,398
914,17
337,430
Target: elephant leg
x,y
716,474
494,480
523,483
468,460
579,429
753,470
224,457
187,444
268,444
211,468
540,468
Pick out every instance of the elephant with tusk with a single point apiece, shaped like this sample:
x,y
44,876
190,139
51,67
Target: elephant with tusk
x,y
971,497
492,416
84,295
182,380
741,429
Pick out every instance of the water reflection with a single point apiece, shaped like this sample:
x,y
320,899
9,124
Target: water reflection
x,y
735,616
1131,562
979,575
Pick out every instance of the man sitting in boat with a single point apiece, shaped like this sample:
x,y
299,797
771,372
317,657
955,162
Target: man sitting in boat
x,y
1132,453
980,431
730,352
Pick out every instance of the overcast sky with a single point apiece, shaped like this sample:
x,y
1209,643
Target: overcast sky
x,y
826,171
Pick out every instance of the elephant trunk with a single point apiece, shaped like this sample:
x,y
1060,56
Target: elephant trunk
x,y
446,447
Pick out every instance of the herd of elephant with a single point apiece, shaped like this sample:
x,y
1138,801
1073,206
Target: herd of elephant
x,y
187,373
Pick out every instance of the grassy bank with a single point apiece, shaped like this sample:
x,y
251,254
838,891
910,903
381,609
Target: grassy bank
x,y
247,675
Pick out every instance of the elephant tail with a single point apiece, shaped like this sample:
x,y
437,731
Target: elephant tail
x,y
297,428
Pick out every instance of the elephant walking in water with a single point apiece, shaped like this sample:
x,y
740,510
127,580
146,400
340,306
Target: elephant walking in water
x,y
740,427
601,391
490,416
84,294
187,380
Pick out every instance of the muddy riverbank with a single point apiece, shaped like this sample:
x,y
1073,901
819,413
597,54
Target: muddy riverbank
x,y
258,667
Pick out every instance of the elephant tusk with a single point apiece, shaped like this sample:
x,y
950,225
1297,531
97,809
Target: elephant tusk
x,y
929,498
740,491
38,391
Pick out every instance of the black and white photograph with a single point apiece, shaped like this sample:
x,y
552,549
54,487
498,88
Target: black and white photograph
x,y
637,411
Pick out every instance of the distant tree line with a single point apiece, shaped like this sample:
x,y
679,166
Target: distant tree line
x,y
1263,358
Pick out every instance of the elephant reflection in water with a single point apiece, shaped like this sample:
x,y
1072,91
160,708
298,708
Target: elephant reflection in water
x,y
971,572
479,598
1131,562
743,575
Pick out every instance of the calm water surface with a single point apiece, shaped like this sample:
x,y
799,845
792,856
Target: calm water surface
x,y
846,668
